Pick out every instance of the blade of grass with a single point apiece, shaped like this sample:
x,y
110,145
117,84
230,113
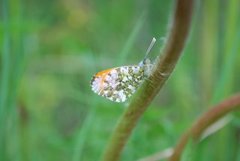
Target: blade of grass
x,y
17,71
224,83
83,131
11,70
227,73
5,70
208,48
131,39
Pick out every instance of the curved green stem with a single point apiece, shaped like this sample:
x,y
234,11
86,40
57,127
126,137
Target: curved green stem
x,y
204,122
177,37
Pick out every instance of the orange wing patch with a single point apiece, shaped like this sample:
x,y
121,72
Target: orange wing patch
x,y
98,79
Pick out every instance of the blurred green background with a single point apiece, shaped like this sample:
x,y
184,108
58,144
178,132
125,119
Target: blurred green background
x,y
51,49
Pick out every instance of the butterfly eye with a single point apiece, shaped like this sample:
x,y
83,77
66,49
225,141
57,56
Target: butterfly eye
x,y
147,61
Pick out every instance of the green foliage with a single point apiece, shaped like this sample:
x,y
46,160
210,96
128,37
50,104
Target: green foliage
x,y
50,50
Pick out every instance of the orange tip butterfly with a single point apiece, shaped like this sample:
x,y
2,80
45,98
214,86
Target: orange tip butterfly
x,y
119,83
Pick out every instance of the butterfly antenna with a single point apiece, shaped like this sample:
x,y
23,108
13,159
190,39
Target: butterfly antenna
x,y
150,47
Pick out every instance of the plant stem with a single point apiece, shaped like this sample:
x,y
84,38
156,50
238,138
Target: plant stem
x,y
204,122
163,67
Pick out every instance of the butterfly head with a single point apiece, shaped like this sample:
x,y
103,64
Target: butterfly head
x,y
146,65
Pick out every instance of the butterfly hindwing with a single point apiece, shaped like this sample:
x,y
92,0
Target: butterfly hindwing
x,y
118,84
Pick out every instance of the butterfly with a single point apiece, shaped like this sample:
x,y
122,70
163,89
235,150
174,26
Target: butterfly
x,y
119,83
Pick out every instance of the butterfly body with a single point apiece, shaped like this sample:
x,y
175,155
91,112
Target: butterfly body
x,y
118,84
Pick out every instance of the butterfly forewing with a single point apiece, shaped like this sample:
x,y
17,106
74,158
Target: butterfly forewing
x,y
118,84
